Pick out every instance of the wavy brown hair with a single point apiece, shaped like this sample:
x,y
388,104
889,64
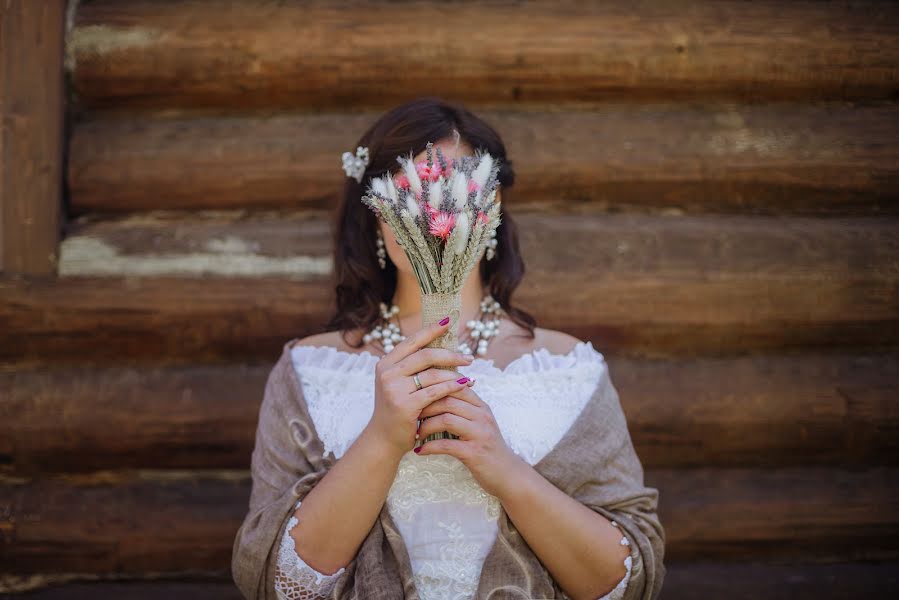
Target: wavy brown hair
x,y
360,283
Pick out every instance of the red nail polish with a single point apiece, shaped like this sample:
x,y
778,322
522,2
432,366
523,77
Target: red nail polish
x,y
444,321
462,380
418,449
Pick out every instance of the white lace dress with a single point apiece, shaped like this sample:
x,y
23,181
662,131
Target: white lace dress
x,y
447,520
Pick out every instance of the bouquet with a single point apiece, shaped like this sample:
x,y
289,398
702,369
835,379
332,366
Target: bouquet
x,y
442,214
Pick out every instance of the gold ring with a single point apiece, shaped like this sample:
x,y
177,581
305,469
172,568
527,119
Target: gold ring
x,y
417,381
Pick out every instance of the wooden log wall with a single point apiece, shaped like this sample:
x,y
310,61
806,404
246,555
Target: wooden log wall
x,y
730,169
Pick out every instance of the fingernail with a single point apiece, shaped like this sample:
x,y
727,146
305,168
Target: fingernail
x,y
418,449
416,436
444,321
467,357
463,380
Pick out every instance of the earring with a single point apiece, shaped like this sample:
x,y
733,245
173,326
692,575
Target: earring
x,y
382,252
491,246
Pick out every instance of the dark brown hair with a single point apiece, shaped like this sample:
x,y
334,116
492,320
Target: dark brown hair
x,y
360,283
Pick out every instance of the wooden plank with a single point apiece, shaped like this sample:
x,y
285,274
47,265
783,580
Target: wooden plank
x,y
794,410
652,286
31,134
324,54
778,514
220,588
683,581
770,159
672,308
170,522
692,581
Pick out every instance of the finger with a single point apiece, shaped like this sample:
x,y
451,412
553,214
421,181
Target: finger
x,y
455,448
416,341
425,358
460,426
468,395
429,394
450,404
432,376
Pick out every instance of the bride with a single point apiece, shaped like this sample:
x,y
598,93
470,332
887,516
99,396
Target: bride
x,y
487,514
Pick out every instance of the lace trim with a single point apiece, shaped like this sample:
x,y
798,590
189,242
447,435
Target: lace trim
x,y
618,591
294,579
332,359
436,478
535,399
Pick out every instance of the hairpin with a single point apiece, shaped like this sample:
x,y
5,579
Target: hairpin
x,y
355,165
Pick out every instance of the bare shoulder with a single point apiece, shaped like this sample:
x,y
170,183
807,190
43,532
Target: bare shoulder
x,y
333,339
515,341
557,342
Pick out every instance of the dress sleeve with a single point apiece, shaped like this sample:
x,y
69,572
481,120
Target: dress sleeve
x,y
294,579
617,593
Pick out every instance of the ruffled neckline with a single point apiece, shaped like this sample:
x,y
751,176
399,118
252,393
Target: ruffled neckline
x,y
541,359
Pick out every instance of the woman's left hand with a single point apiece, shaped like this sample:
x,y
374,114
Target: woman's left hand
x,y
481,446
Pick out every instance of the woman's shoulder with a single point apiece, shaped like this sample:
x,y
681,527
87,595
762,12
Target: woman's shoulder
x,y
515,341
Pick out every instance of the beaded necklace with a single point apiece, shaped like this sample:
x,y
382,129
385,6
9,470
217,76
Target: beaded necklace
x,y
479,330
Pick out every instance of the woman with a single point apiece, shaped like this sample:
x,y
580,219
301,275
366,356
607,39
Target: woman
x,y
541,495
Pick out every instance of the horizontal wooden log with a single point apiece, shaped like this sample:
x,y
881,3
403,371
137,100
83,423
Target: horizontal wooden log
x,y
323,54
772,159
683,581
689,581
179,521
836,410
648,286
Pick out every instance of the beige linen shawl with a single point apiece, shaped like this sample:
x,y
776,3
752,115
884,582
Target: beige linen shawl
x,y
594,462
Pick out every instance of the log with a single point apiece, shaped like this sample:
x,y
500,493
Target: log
x,y
683,581
768,159
174,522
319,55
764,411
31,134
638,286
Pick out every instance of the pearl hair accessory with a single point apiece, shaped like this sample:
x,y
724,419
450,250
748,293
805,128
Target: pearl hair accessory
x,y
382,251
355,166
483,328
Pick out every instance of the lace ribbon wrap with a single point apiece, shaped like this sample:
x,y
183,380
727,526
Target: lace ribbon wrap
x,y
582,446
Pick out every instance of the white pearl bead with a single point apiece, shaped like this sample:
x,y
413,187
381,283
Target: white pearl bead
x,y
476,333
366,338
376,334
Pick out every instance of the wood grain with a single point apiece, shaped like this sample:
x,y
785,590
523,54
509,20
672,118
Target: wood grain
x,y
164,521
320,55
31,135
774,159
765,411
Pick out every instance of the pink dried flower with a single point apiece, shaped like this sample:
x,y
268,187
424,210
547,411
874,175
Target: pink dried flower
x,y
442,224
482,216
472,186
402,182
431,173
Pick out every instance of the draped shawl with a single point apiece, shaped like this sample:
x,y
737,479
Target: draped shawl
x,y
594,462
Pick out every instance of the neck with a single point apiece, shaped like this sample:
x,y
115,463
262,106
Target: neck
x,y
408,298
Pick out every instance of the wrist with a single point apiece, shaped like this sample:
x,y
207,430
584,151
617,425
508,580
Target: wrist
x,y
378,445
516,480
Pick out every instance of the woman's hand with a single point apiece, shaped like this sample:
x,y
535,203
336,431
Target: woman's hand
x,y
481,446
398,401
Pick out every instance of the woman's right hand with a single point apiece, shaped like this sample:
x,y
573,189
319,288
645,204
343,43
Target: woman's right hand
x,y
397,400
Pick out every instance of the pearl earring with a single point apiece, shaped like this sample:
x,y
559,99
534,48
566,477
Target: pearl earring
x,y
491,246
382,252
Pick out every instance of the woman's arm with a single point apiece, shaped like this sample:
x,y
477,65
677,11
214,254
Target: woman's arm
x,y
337,514
580,548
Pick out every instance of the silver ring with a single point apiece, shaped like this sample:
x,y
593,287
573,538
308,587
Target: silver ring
x,y
417,381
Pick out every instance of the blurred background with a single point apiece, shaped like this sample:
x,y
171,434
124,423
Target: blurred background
x,y
707,191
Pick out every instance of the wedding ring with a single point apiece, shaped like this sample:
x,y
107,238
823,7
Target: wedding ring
x,y
417,381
